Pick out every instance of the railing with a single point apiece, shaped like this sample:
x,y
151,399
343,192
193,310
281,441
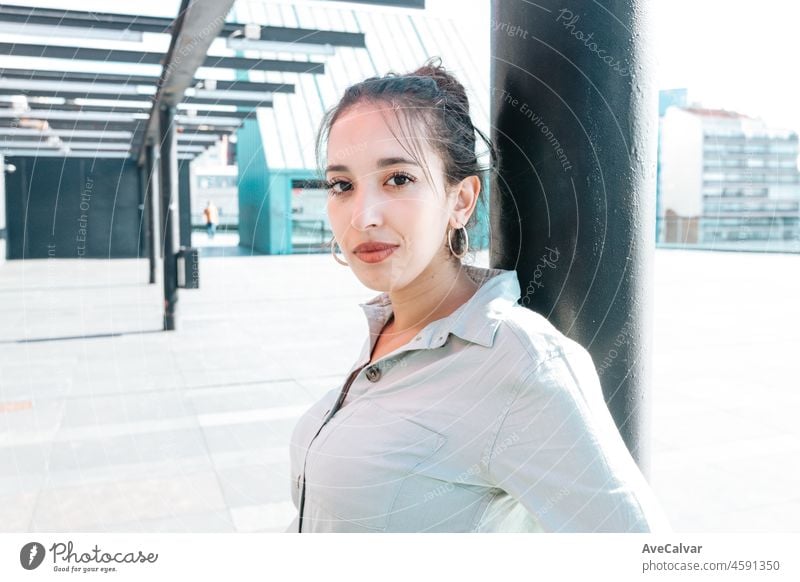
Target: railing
x,y
710,234
310,235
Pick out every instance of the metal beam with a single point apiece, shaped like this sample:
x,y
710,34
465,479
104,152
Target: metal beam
x,y
86,90
110,128
152,58
81,77
213,118
105,91
33,153
301,35
143,107
67,133
49,30
186,149
159,25
205,114
47,144
266,102
207,129
27,121
197,138
208,118
30,15
72,115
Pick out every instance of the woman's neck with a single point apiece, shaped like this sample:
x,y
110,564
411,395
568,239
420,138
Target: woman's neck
x,y
435,294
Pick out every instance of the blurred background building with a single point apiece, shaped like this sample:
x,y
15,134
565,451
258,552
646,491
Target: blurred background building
x,y
726,179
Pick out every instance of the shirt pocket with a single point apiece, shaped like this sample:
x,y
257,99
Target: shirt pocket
x,y
356,473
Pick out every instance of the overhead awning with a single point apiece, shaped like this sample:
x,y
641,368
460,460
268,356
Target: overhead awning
x,y
109,109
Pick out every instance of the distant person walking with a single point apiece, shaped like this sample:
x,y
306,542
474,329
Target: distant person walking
x,y
211,215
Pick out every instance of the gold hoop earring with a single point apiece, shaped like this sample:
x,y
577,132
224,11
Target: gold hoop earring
x,y
450,242
333,252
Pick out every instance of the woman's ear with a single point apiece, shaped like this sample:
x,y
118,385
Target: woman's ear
x,y
467,192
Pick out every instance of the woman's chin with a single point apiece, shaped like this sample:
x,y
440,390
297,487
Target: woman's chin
x,y
376,277
380,284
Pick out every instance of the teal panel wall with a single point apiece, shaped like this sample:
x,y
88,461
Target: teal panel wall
x,y
263,208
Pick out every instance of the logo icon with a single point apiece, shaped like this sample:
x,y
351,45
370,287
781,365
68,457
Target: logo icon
x,y
31,555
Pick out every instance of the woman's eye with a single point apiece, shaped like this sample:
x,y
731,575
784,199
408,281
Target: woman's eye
x,y
402,178
343,186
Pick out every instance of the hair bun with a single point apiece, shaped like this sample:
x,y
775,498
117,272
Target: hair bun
x,y
445,81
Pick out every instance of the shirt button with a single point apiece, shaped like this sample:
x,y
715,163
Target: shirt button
x,y
373,374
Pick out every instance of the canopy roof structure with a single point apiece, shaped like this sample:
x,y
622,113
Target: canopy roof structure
x,y
54,106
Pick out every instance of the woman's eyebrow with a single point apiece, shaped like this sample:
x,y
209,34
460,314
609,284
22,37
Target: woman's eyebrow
x,y
382,163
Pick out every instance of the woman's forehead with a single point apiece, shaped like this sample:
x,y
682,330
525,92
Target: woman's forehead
x,y
368,133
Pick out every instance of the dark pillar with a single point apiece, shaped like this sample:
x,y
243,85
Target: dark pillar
x,y
185,203
151,207
3,231
169,217
574,114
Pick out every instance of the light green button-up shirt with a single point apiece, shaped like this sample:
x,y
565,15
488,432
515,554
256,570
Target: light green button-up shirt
x,y
490,420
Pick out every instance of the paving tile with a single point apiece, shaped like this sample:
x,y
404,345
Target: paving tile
x,y
218,521
97,505
269,517
255,484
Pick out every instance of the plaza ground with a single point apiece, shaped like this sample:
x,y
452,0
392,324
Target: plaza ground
x,y
109,424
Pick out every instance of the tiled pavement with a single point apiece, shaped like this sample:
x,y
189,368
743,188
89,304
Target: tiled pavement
x,y
109,424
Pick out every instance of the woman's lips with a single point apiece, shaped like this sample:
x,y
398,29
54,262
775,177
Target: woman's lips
x,y
375,253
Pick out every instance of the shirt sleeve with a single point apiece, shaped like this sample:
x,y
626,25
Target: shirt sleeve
x,y
559,453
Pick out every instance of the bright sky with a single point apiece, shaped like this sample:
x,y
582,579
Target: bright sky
x,y
734,54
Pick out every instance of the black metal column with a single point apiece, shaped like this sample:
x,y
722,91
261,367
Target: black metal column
x,y
169,215
574,115
151,208
185,203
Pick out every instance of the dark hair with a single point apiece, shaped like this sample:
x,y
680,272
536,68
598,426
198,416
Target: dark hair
x,y
433,99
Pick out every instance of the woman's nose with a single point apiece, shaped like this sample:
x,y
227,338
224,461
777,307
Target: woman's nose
x,y
368,208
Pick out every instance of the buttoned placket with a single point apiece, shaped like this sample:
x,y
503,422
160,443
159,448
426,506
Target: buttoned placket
x,y
378,311
373,373
333,410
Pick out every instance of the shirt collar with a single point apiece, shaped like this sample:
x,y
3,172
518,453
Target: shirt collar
x,y
475,321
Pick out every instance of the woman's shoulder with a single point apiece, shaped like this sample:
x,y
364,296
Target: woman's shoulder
x,y
533,339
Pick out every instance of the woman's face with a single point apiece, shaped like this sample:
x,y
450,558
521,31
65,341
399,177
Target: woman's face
x,y
380,195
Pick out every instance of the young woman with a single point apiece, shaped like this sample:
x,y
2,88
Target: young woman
x,y
465,412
